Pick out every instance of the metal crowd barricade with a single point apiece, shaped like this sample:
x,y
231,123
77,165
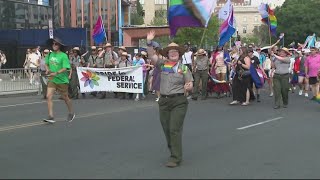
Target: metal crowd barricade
x,y
14,81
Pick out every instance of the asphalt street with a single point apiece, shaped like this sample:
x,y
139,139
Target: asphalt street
x,y
113,138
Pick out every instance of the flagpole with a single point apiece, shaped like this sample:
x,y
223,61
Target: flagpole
x,y
269,27
202,37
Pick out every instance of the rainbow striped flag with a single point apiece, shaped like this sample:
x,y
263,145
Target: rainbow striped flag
x,y
189,13
99,34
268,18
169,67
227,29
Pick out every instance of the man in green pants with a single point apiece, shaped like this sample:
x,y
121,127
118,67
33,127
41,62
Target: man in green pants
x,y
175,79
200,69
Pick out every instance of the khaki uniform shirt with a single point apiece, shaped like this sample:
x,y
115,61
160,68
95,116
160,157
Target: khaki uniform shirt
x,y
124,63
94,59
109,56
202,63
282,67
173,83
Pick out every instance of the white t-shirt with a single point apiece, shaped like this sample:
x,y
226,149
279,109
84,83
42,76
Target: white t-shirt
x,y
33,58
292,60
186,58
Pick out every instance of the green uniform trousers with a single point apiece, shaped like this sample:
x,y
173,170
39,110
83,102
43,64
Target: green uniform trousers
x,y
74,84
281,88
203,76
172,113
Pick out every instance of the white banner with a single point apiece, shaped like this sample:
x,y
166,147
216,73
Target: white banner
x,y
129,79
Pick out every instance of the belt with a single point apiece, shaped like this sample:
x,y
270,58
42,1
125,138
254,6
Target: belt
x,y
172,95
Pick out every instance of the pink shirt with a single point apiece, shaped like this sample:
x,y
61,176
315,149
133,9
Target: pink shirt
x,y
313,64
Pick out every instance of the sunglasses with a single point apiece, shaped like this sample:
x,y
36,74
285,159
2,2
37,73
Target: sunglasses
x,y
55,44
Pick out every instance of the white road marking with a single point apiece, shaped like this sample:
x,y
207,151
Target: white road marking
x,y
38,123
23,104
260,123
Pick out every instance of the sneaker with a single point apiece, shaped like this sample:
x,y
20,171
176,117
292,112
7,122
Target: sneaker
x,y
271,95
157,99
49,120
300,93
306,95
153,92
71,117
189,97
136,99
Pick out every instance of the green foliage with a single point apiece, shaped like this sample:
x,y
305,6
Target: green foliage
x,y
160,18
262,34
252,39
137,18
298,19
194,35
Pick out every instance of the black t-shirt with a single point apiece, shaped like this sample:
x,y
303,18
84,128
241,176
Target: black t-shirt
x,y
255,61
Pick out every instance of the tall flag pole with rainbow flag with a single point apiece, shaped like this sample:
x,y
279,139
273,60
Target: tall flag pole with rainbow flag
x,y
99,34
189,13
227,29
269,19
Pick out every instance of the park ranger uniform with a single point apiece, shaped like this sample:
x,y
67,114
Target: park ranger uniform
x,y
173,105
201,70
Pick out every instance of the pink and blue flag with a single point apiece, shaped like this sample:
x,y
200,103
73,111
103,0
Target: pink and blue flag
x,y
227,29
189,13
99,34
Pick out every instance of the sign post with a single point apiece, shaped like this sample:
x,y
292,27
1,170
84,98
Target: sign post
x,y
50,29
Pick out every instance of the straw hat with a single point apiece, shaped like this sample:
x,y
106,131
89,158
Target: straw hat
x,y
200,52
123,48
99,49
76,49
285,50
46,51
125,54
108,45
171,46
93,47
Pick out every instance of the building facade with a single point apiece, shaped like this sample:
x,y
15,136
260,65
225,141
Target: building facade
x,y
24,14
84,14
153,8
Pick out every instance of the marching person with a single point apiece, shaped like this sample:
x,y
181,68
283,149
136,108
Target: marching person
x,y
43,71
34,64
242,79
200,70
123,62
312,67
3,59
95,61
57,64
175,79
281,64
75,61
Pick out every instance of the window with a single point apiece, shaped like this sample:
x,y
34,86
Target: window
x,y
245,19
244,29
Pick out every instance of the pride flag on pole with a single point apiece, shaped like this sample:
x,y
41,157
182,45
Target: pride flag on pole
x,y
189,13
99,34
227,29
268,18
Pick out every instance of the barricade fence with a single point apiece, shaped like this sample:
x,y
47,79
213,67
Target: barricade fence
x,y
20,80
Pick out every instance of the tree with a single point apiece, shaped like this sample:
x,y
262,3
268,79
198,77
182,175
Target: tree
x,y
160,18
262,33
298,19
137,17
194,35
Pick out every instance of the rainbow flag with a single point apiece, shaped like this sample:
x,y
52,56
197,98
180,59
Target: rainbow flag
x,y
169,67
227,29
268,18
99,34
189,13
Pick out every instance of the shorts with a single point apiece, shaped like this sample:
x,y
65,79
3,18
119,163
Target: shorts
x,y
313,80
61,88
302,74
221,70
34,70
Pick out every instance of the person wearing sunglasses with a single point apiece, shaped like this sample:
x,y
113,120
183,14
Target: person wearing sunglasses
x,y
57,64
